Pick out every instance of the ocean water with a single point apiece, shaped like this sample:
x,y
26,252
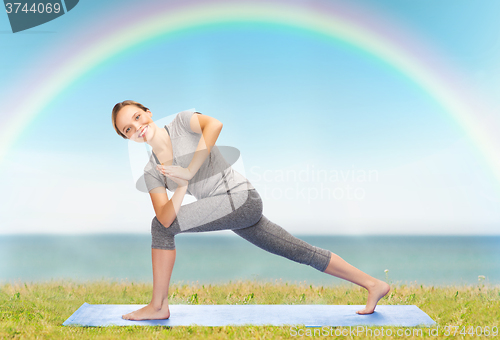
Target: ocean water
x,y
214,258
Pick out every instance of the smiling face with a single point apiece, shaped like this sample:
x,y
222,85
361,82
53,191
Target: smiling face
x,y
135,123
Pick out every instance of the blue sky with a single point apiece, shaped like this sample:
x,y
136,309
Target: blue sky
x,y
289,101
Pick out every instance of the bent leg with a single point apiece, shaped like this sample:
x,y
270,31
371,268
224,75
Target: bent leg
x,y
274,239
221,212
163,264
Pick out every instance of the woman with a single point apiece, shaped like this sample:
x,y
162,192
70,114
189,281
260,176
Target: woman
x,y
186,159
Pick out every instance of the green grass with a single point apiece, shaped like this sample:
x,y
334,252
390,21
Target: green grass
x,y
37,310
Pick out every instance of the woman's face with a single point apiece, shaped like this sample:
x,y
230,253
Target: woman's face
x,y
135,123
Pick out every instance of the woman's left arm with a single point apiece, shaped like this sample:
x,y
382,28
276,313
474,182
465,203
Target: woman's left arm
x,y
210,129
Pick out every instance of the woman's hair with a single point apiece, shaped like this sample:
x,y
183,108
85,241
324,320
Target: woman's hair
x,y
118,107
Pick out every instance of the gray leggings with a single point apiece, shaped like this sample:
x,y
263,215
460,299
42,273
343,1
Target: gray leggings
x,y
240,212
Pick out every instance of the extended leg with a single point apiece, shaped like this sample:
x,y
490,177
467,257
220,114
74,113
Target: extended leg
x,y
376,288
273,238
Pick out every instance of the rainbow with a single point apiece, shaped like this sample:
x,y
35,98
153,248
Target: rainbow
x,y
339,24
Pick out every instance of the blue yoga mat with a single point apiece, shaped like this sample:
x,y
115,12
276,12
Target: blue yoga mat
x,y
240,315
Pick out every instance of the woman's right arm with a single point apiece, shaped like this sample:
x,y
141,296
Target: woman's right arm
x,y
166,210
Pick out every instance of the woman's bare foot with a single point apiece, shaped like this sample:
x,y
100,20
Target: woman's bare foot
x,y
149,313
375,293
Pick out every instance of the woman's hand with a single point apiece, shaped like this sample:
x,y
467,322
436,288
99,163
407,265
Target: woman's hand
x,y
180,181
176,171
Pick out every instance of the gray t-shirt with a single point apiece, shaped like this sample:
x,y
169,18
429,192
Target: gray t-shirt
x,y
214,173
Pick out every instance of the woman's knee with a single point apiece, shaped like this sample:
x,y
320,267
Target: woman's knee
x,y
162,237
173,228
